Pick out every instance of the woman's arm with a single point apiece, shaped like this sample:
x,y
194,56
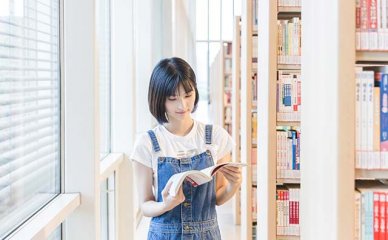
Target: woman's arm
x,y
148,205
228,181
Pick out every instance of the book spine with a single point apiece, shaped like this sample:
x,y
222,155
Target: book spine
x,y
384,118
358,120
370,87
376,216
376,124
382,216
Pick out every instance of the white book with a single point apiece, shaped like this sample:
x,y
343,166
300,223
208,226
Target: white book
x,y
369,144
197,177
358,119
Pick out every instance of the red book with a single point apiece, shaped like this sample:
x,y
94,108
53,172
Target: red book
x,y
376,216
372,14
386,216
382,216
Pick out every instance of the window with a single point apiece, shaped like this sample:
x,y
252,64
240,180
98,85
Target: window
x,y
30,121
103,31
211,31
107,201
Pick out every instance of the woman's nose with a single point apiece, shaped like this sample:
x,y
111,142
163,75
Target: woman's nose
x,y
182,103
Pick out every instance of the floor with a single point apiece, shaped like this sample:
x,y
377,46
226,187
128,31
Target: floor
x,y
228,230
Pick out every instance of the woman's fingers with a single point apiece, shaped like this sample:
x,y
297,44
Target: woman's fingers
x,y
231,170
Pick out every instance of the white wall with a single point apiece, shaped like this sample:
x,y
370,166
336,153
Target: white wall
x,y
81,119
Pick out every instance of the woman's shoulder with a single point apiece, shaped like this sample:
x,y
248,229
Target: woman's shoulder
x,y
143,139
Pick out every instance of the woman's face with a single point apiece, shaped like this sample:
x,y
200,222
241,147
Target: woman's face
x,y
180,105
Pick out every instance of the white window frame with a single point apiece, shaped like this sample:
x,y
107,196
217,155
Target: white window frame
x,y
78,205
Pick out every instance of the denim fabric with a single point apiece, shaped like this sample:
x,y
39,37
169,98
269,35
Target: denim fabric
x,y
196,217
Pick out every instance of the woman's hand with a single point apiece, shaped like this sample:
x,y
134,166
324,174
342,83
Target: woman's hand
x,y
232,174
169,201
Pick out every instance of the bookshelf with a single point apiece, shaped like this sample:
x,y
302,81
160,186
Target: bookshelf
x,y
236,73
371,157
287,107
248,30
328,174
227,81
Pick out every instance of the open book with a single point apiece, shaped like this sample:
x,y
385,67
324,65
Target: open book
x,y
198,177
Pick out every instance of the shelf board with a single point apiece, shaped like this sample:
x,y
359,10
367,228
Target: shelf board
x,y
366,174
289,66
287,123
372,56
279,237
281,181
287,9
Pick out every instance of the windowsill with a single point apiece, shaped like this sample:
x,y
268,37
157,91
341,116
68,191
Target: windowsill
x,y
45,221
110,164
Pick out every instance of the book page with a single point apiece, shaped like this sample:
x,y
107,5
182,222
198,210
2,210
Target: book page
x,y
195,177
221,165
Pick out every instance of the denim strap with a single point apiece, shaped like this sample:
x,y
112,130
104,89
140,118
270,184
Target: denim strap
x,y
155,144
208,134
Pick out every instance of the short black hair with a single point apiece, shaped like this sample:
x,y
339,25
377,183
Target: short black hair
x,y
166,77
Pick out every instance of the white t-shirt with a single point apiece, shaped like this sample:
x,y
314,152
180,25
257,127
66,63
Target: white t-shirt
x,y
181,146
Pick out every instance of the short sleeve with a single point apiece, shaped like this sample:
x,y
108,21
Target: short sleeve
x,y
223,141
142,151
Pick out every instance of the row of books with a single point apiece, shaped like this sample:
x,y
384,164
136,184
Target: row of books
x,y
371,24
288,152
287,206
289,41
371,213
289,3
288,93
371,118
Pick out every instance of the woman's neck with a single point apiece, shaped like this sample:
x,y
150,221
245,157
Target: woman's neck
x,y
180,128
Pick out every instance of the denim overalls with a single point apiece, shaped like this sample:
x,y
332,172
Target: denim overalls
x,y
196,217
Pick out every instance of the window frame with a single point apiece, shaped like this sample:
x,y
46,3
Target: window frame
x,y
81,167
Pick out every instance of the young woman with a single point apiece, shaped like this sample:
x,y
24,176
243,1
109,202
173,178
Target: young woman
x,y
177,144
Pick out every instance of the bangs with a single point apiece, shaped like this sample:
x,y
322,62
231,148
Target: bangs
x,y
173,85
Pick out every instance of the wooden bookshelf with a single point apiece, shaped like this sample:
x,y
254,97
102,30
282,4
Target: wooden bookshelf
x,y
372,56
284,9
236,71
291,123
289,66
287,237
246,107
365,81
365,174
282,181
227,81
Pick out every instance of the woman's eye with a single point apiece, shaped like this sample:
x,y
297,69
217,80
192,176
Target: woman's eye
x,y
171,98
187,96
